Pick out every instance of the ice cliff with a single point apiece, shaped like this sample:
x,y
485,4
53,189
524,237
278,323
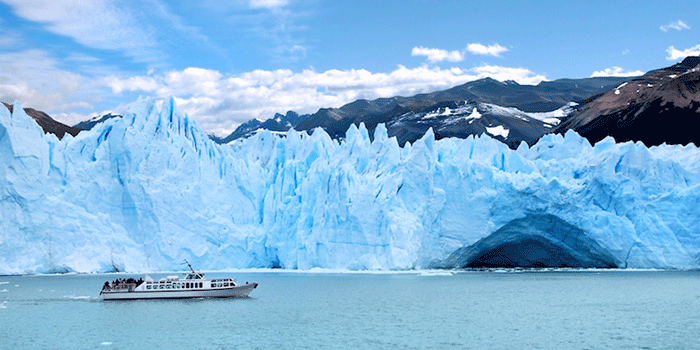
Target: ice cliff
x,y
148,190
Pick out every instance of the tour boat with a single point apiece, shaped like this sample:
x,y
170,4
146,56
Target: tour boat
x,y
194,285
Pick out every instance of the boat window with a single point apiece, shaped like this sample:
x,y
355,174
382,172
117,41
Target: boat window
x,y
226,284
187,285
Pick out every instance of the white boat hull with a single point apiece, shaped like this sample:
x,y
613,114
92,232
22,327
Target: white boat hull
x,y
239,291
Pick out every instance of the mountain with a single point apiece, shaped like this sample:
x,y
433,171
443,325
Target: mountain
x,y
89,124
546,96
144,192
663,106
279,123
48,124
461,119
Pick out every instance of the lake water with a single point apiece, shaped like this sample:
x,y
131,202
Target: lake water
x,y
418,310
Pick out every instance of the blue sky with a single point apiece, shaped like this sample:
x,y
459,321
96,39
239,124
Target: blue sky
x,y
229,61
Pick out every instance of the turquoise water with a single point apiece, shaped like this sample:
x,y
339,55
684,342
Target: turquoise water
x,y
289,310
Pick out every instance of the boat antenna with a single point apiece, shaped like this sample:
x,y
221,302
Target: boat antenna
x,y
188,264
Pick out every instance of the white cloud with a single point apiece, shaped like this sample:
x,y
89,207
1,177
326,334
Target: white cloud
x,y
491,50
98,24
675,54
221,102
677,25
269,4
437,55
137,83
616,72
32,78
142,30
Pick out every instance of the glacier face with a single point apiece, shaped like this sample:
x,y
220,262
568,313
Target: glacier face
x,y
144,192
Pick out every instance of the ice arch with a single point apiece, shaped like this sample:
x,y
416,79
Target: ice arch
x,y
537,240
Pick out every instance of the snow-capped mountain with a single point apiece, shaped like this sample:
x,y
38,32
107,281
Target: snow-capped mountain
x,y
547,96
461,119
90,123
663,106
144,192
279,123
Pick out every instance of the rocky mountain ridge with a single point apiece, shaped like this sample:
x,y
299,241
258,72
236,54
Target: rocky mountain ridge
x,y
544,97
663,106
48,124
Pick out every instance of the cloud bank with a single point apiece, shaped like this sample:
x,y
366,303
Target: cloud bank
x,y
220,102
616,72
96,24
675,54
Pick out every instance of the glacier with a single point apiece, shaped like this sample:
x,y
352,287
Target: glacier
x,y
144,192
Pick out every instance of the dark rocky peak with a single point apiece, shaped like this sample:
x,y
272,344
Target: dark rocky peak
x,y
89,124
689,62
291,118
662,106
48,124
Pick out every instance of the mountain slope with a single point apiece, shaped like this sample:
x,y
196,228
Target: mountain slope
x,y
663,106
89,124
279,123
544,97
451,119
48,124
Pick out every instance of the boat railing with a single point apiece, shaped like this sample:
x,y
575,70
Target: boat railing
x,y
121,284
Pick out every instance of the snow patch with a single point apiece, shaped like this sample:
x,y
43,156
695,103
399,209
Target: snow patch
x,y
498,131
551,117
617,89
471,117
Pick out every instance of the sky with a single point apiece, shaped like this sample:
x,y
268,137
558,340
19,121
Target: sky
x,y
226,62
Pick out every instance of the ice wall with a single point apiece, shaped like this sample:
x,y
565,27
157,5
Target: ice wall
x,y
144,192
